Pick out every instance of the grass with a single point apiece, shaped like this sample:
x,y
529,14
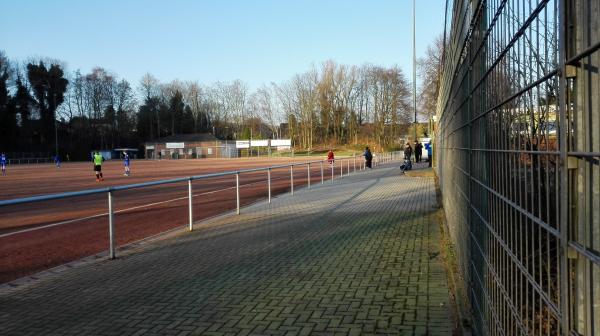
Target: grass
x,y
448,251
425,172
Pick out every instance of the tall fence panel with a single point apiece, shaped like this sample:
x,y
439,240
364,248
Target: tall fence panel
x,y
518,162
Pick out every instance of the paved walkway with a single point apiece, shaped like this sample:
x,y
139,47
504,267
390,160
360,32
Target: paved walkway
x,y
356,257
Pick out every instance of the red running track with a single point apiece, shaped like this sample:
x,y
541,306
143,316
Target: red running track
x,y
38,236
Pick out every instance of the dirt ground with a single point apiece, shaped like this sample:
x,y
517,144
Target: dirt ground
x,y
37,236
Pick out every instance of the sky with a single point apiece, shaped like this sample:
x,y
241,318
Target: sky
x,y
256,41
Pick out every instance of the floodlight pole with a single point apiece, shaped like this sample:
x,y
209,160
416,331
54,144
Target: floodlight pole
x,y
55,123
56,135
414,71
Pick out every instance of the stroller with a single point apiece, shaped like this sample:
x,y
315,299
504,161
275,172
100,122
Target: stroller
x,y
406,165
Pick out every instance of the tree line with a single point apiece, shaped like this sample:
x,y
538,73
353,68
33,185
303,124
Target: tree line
x,y
44,108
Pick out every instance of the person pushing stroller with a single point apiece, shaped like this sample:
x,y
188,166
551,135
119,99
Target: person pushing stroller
x,y
407,164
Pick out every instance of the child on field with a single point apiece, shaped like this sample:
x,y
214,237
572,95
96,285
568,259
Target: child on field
x,y
126,163
3,163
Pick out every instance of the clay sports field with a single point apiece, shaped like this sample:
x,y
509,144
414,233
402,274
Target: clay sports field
x,y
41,235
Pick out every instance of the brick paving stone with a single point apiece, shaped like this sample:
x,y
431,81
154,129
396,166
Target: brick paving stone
x,y
354,257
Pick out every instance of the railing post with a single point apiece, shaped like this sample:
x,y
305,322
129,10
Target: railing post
x,y
348,167
111,227
341,169
191,213
237,191
354,163
332,163
269,182
292,179
308,171
322,179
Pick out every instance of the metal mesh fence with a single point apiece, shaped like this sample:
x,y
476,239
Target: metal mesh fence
x,y
518,162
28,157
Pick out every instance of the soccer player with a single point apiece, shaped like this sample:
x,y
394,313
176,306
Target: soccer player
x,y
3,163
98,166
126,163
57,161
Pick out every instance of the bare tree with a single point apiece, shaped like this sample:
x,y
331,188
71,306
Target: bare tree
x,y
148,86
193,98
429,67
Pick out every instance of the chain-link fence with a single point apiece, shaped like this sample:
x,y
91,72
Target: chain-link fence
x,y
518,162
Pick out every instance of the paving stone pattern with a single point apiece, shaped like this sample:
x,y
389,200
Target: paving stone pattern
x,y
358,256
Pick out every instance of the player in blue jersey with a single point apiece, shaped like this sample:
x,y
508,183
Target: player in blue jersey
x,y
126,162
3,163
57,161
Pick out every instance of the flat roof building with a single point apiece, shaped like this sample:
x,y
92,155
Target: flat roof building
x,y
189,146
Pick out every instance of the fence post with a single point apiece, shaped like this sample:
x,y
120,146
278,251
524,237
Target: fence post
x,y
191,213
292,178
111,226
322,180
237,190
269,182
354,163
348,167
341,169
308,171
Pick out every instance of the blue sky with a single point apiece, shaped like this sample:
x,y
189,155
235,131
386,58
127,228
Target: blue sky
x,y
257,41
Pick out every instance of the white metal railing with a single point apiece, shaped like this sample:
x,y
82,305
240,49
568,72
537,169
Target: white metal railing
x,y
378,159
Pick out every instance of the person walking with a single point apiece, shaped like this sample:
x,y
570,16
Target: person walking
x,y
407,151
429,153
126,163
368,158
98,166
418,151
330,157
57,161
3,163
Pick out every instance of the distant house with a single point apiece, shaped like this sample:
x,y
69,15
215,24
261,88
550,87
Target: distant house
x,y
189,146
